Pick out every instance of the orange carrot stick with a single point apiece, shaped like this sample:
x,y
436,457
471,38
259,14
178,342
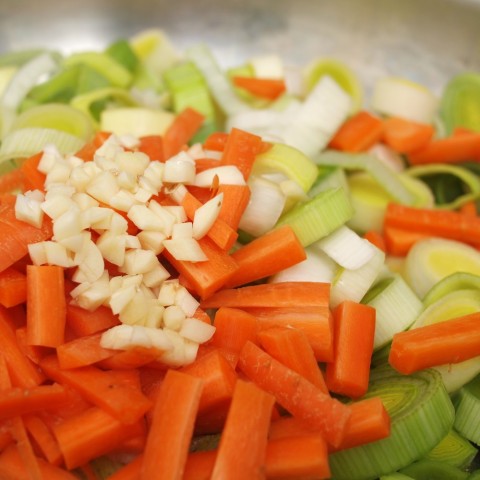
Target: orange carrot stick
x,y
84,322
358,133
172,425
235,201
290,346
87,152
285,294
375,238
242,449
451,341
43,438
13,287
296,394
354,332
131,471
406,136
33,179
270,88
12,181
46,307
266,255
216,141
152,145
398,241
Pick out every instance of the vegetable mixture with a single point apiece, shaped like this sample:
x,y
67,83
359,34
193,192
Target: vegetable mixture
x,y
230,273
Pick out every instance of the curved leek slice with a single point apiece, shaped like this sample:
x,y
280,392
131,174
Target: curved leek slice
x,y
428,469
6,74
460,102
319,216
328,177
421,414
403,98
469,179
451,283
397,307
28,141
57,117
432,259
467,407
341,73
289,161
454,450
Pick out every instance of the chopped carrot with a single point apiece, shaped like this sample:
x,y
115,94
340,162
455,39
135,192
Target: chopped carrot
x,y
451,341
181,131
216,141
13,287
375,238
235,201
46,308
12,181
398,241
209,276
266,255
172,426
131,471
132,358
284,294
240,150
406,136
453,149
358,133
287,427
83,322
354,331
87,152
33,179
296,394
34,353
152,145
44,439
316,322
242,449
102,388
290,346
269,88
368,422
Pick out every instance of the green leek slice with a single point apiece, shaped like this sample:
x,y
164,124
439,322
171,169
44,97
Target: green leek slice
x,y
460,102
421,414
451,283
319,216
289,161
467,407
454,450
429,469
328,177
123,53
6,74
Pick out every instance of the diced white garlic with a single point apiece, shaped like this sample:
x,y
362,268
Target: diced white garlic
x,y
29,210
134,163
196,330
155,276
179,169
173,317
103,187
206,215
150,240
187,249
139,261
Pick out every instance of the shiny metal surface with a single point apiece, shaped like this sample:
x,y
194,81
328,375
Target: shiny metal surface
x,y
424,40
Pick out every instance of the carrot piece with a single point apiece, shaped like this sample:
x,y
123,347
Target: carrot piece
x,y
398,241
353,333
221,233
88,472
34,353
453,149
152,145
233,328
33,179
206,277
368,422
43,438
5,438
290,346
22,371
82,351
375,238
441,223
131,471
266,255
87,152
202,164
283,294
406,136
102,388
270,88
316,322
90,434
242,449
216,141
469,209
173,419
13,287
440,343
13,467
301,457
131,358
240,150
358,133
235,201
12,181
296,394
17,235
46,307
199,465
84,322
286,427
181,131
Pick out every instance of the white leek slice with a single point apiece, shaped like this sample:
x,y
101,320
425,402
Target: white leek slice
x,y
397,307
402,98
217,81
136,121
347,248
6,74
354,284
26,142
433,259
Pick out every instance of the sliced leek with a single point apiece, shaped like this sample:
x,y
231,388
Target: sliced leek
x,y
319,216
329,177
397,307
433,259
429,469
467,408
451,283
421,414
